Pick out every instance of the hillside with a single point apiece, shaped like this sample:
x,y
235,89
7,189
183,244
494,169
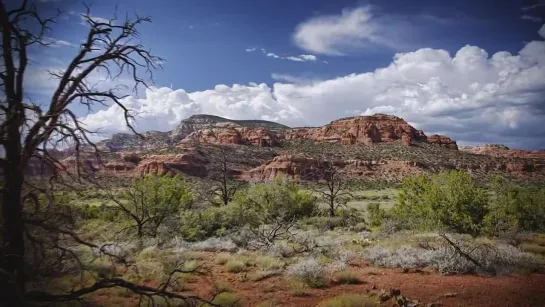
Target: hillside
x,y
373,147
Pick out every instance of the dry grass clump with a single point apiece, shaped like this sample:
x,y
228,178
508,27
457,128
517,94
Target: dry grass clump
x,y
350,300
235,265
348,277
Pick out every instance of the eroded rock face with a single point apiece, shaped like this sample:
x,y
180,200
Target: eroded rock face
x,y
500,150
189,163
443,141
379,128
204,122
295,167
288,166
129,142
234,135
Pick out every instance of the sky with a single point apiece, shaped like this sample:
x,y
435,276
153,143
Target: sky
x,y
473,70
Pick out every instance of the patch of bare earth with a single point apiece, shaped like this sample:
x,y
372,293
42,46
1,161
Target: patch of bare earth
x,y
427,287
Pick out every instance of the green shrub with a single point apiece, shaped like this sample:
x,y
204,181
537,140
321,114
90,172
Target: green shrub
x,y
267,263
279,199
298,288
228,299
235,265
376,214
533,248
515,208
350,300
449,200
348,277
152,200
268,304
222,258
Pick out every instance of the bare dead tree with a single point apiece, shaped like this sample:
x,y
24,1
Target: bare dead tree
x,y
225,187
28,131
332,185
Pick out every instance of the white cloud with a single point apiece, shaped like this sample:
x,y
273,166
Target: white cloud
x,y
531,18
272,55
295,58
542,31
352,29
56,43
471,96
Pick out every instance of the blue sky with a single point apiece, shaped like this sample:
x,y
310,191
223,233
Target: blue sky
x,y
204,41
470,69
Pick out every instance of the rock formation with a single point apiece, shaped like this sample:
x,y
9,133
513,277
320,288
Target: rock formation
x,y
443,141
378,128
500,150
240,135
189,163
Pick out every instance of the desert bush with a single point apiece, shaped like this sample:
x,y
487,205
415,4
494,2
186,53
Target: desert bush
x,y
310,271
515,209
350,300
390,226
267,263
533,248
448,260
298,288
348,277
268,304
227,299
376,214
235,265
406,257
222,258
198,225
153,200
449,200
214,244
280,198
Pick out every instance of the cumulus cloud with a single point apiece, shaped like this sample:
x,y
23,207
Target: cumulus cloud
x,y
471,95
531,18
295,58
352,29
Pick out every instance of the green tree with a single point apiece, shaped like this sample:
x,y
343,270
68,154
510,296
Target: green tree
x,y
151,200
514,208
280,198
449,200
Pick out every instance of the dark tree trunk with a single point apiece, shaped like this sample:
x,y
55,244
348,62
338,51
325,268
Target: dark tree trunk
x,y
12,255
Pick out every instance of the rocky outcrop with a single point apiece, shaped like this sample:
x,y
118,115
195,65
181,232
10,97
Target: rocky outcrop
x,y
130,142
295,167
378,128
206,122
231,135
442,140
288,166
190,163
500,150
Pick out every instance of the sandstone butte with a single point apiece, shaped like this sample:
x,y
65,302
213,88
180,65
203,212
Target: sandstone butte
x,y
379,128
205,129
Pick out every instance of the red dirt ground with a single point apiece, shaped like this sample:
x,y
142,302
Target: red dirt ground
x,y
427,287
